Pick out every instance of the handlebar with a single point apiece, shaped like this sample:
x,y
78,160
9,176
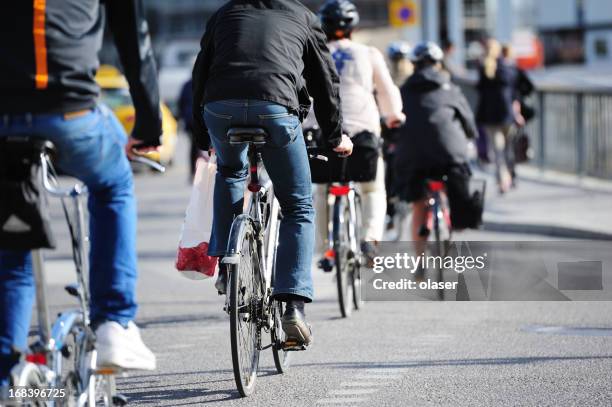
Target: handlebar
x,y
321,154
148,162
76,190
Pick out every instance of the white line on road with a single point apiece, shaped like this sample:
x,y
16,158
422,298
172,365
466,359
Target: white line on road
x,y
360,384
352,392
343,401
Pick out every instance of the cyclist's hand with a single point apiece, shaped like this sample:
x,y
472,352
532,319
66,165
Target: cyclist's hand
x,y
345,148
395,121
133,144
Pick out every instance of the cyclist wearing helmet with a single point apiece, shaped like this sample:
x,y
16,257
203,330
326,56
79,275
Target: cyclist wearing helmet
x,y
259,61
433,142
399,55
367,92
49,56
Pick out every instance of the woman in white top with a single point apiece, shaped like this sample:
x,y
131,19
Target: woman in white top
x,y
367,92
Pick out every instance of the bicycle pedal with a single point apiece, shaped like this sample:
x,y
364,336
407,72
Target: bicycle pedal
x,y
424,231
326,265
108,371
292,344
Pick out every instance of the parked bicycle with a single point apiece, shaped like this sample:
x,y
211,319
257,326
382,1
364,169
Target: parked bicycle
x,y
59,368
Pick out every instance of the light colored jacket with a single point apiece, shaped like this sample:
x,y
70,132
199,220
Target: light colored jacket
x,y
367,90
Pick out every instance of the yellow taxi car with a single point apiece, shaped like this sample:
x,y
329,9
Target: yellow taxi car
x,y
115,94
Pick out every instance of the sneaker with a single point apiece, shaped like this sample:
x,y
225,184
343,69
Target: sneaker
x,y
325,264
221,283
369,251
295,326
120,347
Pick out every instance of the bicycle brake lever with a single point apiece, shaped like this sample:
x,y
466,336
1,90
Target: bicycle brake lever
x,y
318,157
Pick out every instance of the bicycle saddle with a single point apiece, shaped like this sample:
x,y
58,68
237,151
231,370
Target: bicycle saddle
x,y
247,135
25,146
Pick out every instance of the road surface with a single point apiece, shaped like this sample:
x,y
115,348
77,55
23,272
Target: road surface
x,y
423,353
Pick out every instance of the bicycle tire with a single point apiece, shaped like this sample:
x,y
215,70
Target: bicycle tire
x,y
77,367
356,269
439,252
282,358
341,250
246,295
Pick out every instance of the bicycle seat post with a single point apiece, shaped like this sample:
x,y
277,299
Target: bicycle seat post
x,y
255,138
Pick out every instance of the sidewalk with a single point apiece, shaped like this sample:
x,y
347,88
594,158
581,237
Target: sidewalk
x,y
555,205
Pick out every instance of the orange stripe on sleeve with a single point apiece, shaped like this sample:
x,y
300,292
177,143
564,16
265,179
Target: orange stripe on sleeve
x,y
40,44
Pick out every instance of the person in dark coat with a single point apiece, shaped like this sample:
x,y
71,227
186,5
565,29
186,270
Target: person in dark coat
x,y
434,141
499,108
260,60
185,108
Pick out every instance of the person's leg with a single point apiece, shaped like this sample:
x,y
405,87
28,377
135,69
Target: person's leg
x,y
374,203
16,299
91,148
322,217
232,171
511,132
497,142
286,161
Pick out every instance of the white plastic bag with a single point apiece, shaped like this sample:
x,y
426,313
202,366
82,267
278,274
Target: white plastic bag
x,y
192,260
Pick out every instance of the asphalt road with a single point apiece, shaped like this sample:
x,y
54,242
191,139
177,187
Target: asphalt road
x,y
422,353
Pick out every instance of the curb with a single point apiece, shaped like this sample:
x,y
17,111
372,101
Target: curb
x,y
547,230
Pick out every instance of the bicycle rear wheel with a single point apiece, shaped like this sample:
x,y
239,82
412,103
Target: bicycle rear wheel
x,y
246,296
342,252
439,248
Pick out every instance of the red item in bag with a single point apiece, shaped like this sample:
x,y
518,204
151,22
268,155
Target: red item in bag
x,y
196,259
192,259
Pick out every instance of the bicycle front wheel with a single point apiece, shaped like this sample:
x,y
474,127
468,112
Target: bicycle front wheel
x,y
246,297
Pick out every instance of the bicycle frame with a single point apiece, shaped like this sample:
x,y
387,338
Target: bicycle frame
x,y
437,213
260,193
339,191
46,354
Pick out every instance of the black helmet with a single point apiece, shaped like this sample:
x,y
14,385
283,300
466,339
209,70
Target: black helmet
x,y
426,52
338,17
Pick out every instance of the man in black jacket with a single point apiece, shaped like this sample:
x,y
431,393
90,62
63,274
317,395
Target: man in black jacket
x,y
260,61
48,61
433,142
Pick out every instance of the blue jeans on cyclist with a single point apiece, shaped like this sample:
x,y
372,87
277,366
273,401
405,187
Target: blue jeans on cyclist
x,y
286,162
91,148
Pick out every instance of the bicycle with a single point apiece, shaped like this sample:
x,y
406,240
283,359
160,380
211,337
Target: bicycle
x,y
61,363
250,264
438,219
344,251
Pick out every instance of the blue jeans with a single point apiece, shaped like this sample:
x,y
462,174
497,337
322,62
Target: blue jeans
x,y
286,161
91,148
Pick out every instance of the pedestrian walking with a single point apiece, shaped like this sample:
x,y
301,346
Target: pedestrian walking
x,y
499,108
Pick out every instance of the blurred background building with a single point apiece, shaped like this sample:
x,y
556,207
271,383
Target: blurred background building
x,y
544,33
